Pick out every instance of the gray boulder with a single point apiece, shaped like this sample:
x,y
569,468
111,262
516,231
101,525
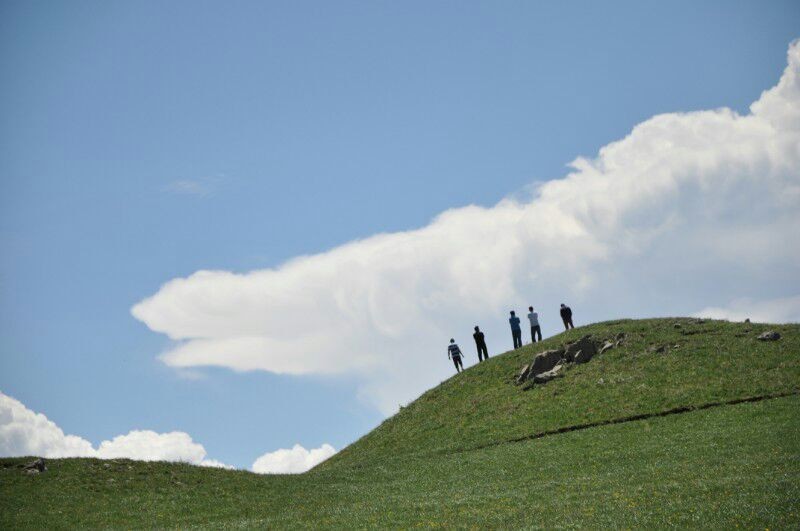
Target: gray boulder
x,y
544,377
545,361
582,356
585,345
772,335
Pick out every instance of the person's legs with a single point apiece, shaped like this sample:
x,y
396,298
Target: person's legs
x,y
533,334
517,335
456,359
485,351
538,330
570,323
460,363
566,324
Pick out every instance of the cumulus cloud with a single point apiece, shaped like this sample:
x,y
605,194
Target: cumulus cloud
x,y
24,432
690,210
783,310
292,461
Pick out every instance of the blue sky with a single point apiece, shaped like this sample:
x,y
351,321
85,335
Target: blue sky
x,y
143,141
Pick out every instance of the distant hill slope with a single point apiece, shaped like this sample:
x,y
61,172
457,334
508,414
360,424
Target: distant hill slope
x,y
702,362
461,455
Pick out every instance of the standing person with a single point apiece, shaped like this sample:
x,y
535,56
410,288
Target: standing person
x,y
454,353
533,317
566,316
516,331
480,342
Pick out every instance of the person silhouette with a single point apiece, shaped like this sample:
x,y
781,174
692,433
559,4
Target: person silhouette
x,y
566,316
533,317
454,353
480,343
516,331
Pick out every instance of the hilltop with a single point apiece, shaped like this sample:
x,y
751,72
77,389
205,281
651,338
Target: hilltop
x,y
685,422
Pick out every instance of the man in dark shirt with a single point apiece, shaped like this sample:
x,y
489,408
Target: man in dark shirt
x,y
454,353
480,342
516,331
566,316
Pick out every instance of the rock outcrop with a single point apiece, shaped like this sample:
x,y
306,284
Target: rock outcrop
x,y
551,363
35,467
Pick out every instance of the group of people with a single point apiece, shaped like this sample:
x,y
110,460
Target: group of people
x,y
454,352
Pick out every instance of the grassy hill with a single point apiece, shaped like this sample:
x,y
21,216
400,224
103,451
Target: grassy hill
x,y
716,444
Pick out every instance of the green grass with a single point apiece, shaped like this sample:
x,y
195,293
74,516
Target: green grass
x,y
714,361
727,466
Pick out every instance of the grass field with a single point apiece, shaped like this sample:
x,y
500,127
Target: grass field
x,y
448,460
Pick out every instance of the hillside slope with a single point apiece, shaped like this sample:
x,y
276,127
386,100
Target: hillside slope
x,y
702,362
462,456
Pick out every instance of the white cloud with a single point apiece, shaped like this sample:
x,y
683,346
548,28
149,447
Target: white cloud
x,y
24,432
784,310
146,445
689,210
292,461
213,463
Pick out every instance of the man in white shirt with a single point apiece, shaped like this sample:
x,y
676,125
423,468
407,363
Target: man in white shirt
x,y
533,317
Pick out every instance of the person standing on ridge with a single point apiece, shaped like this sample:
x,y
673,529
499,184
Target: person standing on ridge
x,y
454,353
566,316
480,342
533,317
516,331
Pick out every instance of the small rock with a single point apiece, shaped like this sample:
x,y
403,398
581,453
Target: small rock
x,y
523,374
677,325
747,320
601,381
772,335
32,471
608,345
699,321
